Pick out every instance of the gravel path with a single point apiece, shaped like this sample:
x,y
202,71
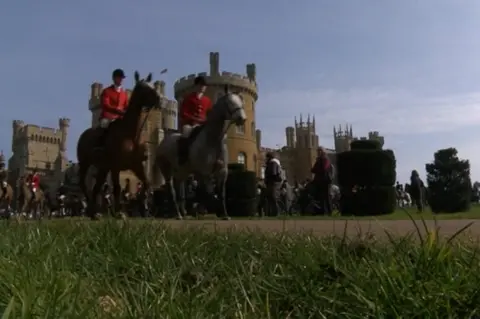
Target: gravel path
x,y
334,227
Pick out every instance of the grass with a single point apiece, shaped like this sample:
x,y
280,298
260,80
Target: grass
x,y
133,269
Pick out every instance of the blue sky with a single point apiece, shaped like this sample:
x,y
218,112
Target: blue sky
x,y
408,69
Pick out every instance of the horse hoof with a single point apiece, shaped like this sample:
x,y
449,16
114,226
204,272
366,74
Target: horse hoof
x,y
179,217
226,218
122,216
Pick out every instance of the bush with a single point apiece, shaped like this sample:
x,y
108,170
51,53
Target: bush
x,y
449,184
241,185
365,145
366,168
368,201
242,207
236,167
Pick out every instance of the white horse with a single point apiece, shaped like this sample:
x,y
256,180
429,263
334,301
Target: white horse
x,y
207,153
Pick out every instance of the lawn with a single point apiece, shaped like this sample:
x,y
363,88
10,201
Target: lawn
x,y
130,269
399,214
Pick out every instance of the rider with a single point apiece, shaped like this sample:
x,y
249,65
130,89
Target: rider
x,y
114,102
34,183
193,111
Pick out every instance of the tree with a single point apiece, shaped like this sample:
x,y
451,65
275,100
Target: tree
x,y
449,185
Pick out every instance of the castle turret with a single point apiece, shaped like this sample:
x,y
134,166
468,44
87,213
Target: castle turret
x,y
290,135
64,124
242,141
94,102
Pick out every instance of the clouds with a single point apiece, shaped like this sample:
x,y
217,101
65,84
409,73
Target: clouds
x,y
390,111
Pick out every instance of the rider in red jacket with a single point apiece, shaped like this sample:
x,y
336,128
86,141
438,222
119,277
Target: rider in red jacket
x,y
114,102
193,111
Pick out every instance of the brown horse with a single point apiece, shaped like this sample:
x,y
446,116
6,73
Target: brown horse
x,y
122,150
6,198
32,205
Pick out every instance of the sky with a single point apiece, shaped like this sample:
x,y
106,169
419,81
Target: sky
x,y
408,69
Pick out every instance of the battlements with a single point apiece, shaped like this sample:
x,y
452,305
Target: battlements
x,y
216,78
302,125
41,133
340,133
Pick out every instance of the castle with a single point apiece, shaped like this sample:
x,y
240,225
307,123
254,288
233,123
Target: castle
x,y
300,152
39,148
44,148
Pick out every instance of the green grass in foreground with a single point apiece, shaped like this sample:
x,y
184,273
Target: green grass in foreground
x,y
138,270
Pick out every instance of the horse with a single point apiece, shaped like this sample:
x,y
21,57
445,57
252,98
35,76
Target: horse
x,y
208,145
122,148
6,198
32,204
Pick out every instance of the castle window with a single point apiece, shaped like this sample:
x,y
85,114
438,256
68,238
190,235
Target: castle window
x,y
240,129
253,129
242,158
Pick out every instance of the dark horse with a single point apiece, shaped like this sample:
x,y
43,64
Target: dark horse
x,y
122,149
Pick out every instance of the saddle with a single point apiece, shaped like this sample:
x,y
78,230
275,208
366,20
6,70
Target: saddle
x,y
185,141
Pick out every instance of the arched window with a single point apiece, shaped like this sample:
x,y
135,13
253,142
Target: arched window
x,y
242,158
253,129
240,129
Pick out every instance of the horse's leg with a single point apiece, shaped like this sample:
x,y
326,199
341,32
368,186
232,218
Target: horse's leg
x,y
115,176
221,182
82,177
139,171
99,181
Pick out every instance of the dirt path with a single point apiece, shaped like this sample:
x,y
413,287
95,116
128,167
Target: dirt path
x,y
334,227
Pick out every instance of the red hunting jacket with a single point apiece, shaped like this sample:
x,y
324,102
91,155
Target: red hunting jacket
x,y
194,110
113,103
35,181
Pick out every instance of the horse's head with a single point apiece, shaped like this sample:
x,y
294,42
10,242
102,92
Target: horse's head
x,y
233,107
144,93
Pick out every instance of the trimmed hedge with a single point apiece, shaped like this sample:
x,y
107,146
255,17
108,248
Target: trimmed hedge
x,y
368,201
236,167
366,176
365,145
366,168
241,193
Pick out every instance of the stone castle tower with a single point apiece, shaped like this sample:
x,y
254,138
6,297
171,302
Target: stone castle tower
x,y
242,141
300,153
157,123
40,148
343,138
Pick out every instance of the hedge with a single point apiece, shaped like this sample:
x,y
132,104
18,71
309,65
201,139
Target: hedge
x,y
368,201
365,145
366,168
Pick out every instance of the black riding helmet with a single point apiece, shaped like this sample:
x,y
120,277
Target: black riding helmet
x,y
118,73
200,80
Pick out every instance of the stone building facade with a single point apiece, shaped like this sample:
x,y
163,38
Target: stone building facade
x,y
241,140
300,152
156,124
40,148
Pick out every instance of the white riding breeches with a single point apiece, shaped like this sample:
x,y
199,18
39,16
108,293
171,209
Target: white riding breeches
x,y
34,189
104,123
4,184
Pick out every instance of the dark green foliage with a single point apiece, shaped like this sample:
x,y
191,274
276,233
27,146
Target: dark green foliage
x,y
366,168
242,207
236,167
365,145
368,201
241,192
366,177
449,185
